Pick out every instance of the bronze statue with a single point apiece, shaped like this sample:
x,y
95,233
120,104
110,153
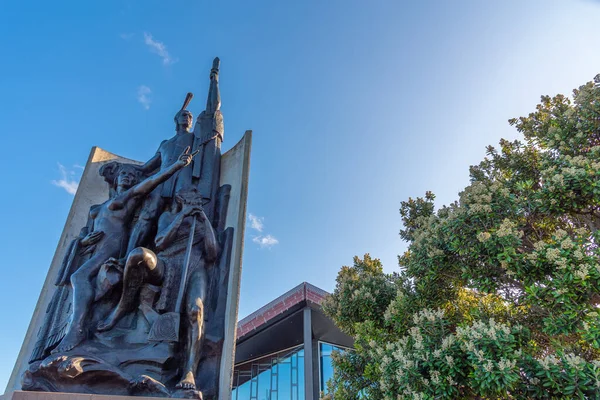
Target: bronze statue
x,y
113,325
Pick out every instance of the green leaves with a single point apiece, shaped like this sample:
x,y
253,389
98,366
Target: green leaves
x,y
498,293
363,293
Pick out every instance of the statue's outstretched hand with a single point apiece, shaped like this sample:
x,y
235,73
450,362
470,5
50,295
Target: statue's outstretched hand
x,y
186,158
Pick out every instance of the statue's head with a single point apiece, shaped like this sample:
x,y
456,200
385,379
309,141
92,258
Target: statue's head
x,y
183,119
128,176
121,175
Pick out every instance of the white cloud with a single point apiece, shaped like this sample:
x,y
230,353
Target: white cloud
x,y
66,181
265,241
143,96
159,48
256,223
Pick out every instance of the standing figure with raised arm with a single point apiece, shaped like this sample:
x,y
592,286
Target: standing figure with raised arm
x,y
203,172
109,234
167,153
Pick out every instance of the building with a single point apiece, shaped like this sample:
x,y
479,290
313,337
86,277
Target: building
x,y
283,350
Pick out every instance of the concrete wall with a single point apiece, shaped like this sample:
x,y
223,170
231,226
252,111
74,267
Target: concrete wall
x,y
235,169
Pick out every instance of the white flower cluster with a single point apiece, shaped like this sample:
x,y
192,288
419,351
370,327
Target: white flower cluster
x,y
390,311
580,164
448,341
483,236
558,179
567,244
471,337
504,364
488,366
400,358
480,329
498,188
571,360
427,315
582,272
558,253
575,361
415,334
578,167
506,228
552,254
477,198
426,224
362,293
560,233
435,376
434,252
549,361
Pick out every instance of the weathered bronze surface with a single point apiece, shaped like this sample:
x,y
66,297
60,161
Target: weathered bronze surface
x,y
140,299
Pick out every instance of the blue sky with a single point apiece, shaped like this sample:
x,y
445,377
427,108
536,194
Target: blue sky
x,y
355,106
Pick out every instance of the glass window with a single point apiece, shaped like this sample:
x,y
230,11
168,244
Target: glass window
x,y
326,364
278,376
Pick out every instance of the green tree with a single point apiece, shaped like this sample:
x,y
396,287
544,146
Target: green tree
x,y
498,293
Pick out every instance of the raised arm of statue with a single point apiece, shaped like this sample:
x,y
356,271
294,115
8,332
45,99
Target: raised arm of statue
x,y
146,186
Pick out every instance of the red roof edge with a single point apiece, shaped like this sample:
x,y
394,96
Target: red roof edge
x,y
303,292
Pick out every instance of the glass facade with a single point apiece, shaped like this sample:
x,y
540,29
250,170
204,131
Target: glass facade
x,y
278,376
326,364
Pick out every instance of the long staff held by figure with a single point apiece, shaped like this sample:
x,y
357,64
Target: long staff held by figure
x,y
166,327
